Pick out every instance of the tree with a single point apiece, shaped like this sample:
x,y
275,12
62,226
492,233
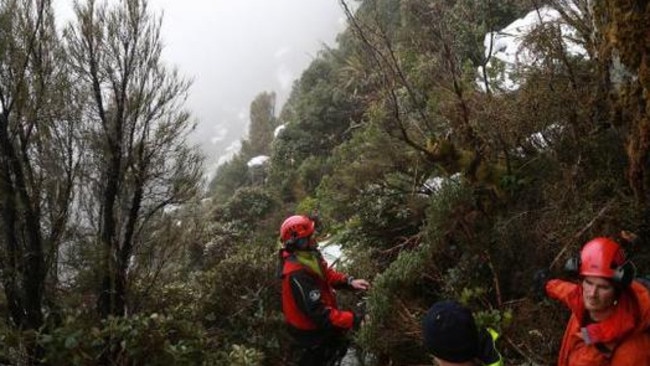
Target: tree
x,y
230,176
39,160
260,133
622,32
138,161
39,155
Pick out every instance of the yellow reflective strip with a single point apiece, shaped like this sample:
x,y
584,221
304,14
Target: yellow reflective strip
x,y
495,336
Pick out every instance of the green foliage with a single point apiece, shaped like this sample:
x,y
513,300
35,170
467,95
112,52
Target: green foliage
x,y
307,206
523,176
152,339
230,176
311,171
241,299
178,297
260,132
372,169
321,111
408,280
242,356
395,287
493,318
316,116
39,155
236,173
248,205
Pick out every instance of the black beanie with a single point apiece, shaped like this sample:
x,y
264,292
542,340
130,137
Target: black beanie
x,y
450,332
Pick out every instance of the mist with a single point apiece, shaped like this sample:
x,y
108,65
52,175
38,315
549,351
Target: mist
x,y
234,50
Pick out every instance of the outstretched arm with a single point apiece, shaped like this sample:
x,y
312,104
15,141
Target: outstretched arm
x,y
307,295
338,279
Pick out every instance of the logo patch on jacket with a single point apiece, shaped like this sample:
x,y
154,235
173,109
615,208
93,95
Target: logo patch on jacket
x,y
314,295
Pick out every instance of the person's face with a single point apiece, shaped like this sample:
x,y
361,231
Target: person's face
x,y
440,362
598,293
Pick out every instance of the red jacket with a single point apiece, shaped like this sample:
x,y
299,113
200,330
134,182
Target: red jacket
x,y
308,298
623,339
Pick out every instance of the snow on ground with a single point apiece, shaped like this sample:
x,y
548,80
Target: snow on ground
x,y
278,129
258,160
434,184
331,251
510,55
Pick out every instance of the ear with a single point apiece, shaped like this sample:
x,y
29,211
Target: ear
x,y
572,265
625,273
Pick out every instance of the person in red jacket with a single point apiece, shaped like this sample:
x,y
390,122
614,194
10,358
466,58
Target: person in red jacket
x,y
610,311
315,322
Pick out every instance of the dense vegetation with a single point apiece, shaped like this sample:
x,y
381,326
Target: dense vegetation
x,y
438,180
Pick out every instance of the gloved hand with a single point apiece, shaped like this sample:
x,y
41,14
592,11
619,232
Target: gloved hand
x,y
629,237
540,278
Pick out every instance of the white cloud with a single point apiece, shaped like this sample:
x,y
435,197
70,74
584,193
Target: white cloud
x,y
220,135
234,146
231,150
281,52
226,46
285,77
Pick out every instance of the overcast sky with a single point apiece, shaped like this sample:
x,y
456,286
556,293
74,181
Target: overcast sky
x,y
236,49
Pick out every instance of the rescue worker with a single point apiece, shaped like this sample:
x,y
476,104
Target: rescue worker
x,y
453,338
610,311
317,325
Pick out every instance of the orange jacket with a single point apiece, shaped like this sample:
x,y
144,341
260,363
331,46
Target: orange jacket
x,y
623,339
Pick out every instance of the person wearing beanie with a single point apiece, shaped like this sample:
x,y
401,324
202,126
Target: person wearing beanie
x,y
453,338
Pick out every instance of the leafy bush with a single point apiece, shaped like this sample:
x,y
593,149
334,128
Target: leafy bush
x,y
141,339
241,303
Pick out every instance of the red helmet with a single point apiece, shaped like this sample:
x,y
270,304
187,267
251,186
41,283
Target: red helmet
x,y
602,257
296,227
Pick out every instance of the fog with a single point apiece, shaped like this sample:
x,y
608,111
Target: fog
x,y
234,50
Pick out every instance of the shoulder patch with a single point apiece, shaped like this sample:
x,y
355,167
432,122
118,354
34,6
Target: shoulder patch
x,y
314,295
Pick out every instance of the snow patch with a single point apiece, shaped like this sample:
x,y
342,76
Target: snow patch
x,y
332,252
257,161
278,129
510,56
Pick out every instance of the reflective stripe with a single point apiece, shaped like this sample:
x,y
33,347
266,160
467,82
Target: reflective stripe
x,y
498,363
495,336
